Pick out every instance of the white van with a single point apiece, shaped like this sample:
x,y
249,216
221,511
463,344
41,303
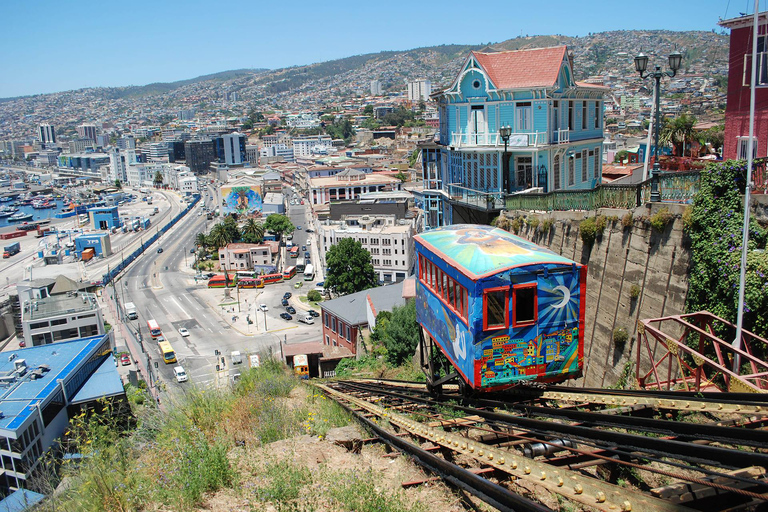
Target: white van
x,y
307,319
236,357
181,375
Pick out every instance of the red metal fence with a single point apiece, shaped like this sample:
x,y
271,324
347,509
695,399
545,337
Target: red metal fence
x,y
688,355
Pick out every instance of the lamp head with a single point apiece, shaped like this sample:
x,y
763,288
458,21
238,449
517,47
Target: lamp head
x,y
675,59
505,132
641,63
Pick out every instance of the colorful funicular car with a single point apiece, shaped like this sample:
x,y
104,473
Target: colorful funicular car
x,y
501,309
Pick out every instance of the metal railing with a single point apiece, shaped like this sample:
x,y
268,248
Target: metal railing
x,y
673,187
476,198
468,139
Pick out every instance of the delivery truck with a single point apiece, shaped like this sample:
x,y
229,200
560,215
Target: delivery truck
x,y
10,250
130,311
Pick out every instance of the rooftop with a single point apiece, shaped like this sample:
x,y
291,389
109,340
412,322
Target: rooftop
x,y
352,308
518,69
59,305
19,396
478,251
366,179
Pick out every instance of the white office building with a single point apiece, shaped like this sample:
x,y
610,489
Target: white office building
x,y
46,133
419,90
389,240
277,150
87,131
234,148
309,145
375,88
61,318
116,166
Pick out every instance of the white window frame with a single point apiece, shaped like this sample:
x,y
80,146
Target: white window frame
x,y
743,145
523,117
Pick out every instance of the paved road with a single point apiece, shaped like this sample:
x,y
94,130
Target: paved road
x,y
163,287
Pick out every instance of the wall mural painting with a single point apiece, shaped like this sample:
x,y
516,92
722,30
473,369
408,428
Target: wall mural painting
x,y
242,200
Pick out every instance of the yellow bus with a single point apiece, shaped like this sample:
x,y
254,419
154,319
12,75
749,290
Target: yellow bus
x,y
169,356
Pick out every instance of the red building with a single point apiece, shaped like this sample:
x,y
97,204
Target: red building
x,y
739,76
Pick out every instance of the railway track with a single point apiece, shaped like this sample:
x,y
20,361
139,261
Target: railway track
x,y
605,450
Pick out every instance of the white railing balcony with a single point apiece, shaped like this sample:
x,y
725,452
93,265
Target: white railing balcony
x,y
516,140
562,136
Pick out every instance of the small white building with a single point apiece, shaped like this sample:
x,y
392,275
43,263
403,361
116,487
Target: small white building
x,y
61,318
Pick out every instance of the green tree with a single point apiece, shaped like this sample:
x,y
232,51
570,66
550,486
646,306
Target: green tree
x,y
349,268
231,229
201,240
413,158
370,124
368,110
715,136
217,237
252,232
382,321
678,132
341,129
314,296
714,228
278,224
118,184
158,178
402,334
401,176
398,117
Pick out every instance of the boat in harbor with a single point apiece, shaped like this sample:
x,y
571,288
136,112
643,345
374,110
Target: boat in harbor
x,y
20,216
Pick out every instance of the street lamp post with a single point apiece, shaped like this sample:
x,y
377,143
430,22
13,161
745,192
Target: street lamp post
x,y
641,63
504,133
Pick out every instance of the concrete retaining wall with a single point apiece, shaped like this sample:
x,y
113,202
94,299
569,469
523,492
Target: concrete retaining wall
x,y
618,259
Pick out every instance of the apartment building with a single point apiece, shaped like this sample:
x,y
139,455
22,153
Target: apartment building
x,y
347,185
315,144
61,318
242,256
388,239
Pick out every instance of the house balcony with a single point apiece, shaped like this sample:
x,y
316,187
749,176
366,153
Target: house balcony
x,y
476,199
561,136
461,140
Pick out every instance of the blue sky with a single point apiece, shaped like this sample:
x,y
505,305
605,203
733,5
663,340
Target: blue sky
x,y
48,46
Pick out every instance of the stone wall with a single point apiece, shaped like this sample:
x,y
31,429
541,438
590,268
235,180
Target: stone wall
x,y
618,259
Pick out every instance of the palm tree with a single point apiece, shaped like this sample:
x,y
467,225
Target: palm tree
x,y
201,240
678,132
217,237
253,230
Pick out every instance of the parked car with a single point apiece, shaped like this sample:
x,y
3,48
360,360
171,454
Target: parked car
x,y
314,313
306,254
286,316
291,310
298,228
183,332
125,359
284,302
263,307
287,295
303,247
192,251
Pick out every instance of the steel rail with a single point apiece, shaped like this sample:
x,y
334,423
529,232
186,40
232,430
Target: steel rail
x,y
619,456
491,493
730,435
572,485
741,403
696,453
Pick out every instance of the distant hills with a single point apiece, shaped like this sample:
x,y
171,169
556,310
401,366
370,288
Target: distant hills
x,y
315,86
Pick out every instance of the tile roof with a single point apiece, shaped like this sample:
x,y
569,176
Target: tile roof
x,y
517,69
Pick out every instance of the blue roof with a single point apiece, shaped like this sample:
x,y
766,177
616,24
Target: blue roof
x,y
17,401
20,500
105,381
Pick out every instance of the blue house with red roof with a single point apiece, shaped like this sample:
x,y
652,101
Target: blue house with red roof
x,y
555,127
